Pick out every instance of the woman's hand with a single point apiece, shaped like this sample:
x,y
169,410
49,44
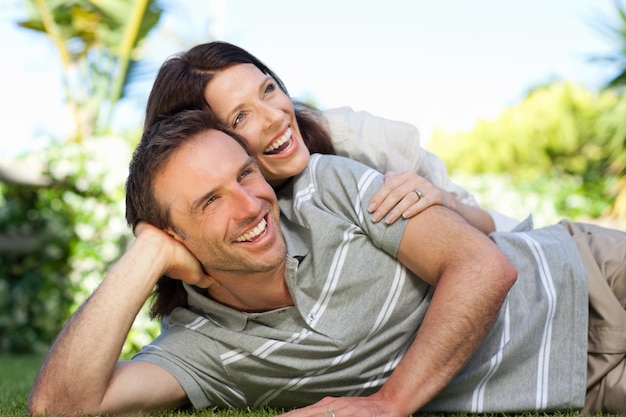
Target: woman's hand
x,y
407,194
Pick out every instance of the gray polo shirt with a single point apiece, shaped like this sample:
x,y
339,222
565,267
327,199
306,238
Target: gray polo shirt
x,y
357,311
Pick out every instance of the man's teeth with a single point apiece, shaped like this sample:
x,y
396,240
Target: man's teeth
x,y
281,141
260,228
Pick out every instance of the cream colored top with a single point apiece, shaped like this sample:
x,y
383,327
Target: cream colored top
x,y
389,145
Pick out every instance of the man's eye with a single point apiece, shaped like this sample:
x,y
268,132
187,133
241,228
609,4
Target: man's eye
x,y
210,200
250,174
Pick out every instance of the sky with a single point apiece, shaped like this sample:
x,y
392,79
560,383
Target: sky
x,y
444,63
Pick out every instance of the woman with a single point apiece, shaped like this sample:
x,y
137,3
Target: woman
x,y
253,101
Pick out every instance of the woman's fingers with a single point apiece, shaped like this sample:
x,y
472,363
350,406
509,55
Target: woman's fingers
x,y
403,195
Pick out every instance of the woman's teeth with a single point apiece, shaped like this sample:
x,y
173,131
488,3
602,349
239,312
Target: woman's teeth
x,y
286,137
260,228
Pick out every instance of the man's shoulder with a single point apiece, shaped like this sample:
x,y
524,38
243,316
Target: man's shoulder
x,y
332,172
320,164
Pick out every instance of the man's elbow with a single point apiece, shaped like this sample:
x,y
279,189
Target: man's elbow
x,y
508,274
40,404
38,408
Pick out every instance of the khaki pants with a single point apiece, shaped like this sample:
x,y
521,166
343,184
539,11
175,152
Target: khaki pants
x,y
603,252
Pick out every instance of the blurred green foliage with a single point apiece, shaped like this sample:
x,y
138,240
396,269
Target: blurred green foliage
x,y
35,286
75,228
560,134
559,152
98,43
560,131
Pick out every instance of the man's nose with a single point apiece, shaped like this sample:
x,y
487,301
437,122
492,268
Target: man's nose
x,y
246,204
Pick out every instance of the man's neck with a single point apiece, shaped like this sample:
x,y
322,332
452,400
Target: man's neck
x,y
252,293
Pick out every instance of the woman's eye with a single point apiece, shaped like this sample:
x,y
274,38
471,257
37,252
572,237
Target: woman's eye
x,y
269,88
237,120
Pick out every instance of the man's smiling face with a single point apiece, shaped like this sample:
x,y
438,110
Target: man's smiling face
x,y
222,206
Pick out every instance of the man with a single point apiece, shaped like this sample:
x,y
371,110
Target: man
x,y
337,316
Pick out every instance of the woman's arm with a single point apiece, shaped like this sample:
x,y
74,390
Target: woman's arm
x,y
399,197
389,145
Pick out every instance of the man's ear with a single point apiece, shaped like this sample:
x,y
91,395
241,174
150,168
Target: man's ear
x,y
175,235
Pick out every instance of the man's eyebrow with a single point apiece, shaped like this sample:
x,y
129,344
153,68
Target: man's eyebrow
x,y
251,162
197,204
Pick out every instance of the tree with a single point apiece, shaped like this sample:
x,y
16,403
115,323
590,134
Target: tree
x,y
553,133
612,124
615,33
98,43
71,222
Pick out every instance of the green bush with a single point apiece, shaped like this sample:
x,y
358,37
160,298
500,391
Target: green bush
x,y
35,282
554,133
549,200
77,229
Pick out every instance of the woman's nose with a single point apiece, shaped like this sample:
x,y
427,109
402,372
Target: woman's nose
x,y
272,115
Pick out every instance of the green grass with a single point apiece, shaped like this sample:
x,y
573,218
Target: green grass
x,y
18,372
16,377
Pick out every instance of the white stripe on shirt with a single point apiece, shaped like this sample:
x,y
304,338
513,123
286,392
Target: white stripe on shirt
x,y
478,396
364,182
543,366
332,278
331,283
383,316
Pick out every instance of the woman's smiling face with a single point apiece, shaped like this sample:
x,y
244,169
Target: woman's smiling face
x,y
252,104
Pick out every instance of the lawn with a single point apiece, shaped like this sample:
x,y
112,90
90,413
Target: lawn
x,y
16,376
18,372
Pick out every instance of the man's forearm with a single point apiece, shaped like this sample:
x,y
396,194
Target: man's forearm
x,y
472,278
471,283
76,372
459,317
475,216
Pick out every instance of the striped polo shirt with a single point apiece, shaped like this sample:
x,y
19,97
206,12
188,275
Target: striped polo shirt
x,y
357,310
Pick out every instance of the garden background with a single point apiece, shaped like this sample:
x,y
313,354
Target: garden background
x,y
556,152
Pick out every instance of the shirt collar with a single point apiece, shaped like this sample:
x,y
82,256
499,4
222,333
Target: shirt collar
x,y
296,237
225,316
